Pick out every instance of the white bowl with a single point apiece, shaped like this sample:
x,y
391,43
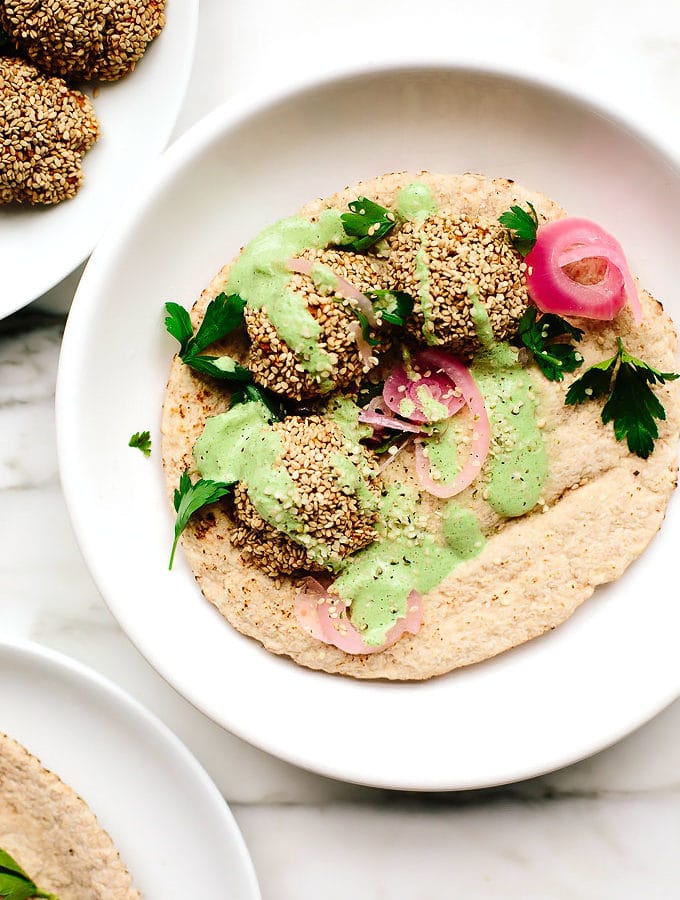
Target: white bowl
x,y
39,246
548,703
163,812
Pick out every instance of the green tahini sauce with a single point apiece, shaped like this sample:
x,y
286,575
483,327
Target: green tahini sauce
x,y
240,445
377,580
261,277
415,203
517,465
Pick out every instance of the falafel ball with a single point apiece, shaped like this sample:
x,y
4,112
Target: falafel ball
x,y
88,39
335,505
276,366
45,130
437,261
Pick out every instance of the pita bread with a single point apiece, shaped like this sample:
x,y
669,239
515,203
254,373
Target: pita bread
x,y
53,835
600,507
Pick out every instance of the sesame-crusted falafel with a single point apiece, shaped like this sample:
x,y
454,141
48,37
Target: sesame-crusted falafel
x,y
276,366
45,130
334,517
101,39
438,261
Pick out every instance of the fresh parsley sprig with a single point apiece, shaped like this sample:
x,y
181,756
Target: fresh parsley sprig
x,y
141,440
631,403
189,498
394,306
253,393
366,328
522,225
366,223
15,884
222,316
544,337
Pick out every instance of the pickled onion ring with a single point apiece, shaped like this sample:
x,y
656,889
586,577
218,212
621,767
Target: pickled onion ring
x,y
460,376
571,240
343,288
325,618
402,385
380,418
306,607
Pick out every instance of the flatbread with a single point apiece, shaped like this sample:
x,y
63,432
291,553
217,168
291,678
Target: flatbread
x,y
600,508
53,835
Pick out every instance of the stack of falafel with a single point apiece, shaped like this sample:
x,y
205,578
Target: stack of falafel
x,y
46,125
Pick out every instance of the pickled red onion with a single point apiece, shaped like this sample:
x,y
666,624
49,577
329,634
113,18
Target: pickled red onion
x,y
402,385
306,608
380,418
314,609
343,287
571,240
460,376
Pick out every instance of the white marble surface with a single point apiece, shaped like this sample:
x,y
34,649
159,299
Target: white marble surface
x,y
608,827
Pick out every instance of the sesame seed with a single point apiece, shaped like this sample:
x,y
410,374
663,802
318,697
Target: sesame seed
x,y
84,39
45,130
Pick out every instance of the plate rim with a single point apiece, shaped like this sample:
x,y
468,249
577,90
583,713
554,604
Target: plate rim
x,y
222,120
35,653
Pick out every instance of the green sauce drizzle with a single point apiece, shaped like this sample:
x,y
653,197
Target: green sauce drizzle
x,y
325,280
261,277
345,414
433,409
442,452
378,580
517,466
239,445
415,203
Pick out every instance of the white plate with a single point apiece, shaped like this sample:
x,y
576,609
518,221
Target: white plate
x,y
39,246
548,703
164,814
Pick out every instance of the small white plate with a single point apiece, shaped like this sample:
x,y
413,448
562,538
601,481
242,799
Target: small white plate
x,y
548,703
39,246
165,816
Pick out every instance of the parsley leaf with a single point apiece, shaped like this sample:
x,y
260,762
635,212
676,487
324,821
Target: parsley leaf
x,y
142,441
394,306
253,393
15,884
631,404
178,324
522,225
365,328
367,223
222,316
593,384
542,336
189,498
223,367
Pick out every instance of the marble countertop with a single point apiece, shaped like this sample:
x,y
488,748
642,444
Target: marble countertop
x,y
607,827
